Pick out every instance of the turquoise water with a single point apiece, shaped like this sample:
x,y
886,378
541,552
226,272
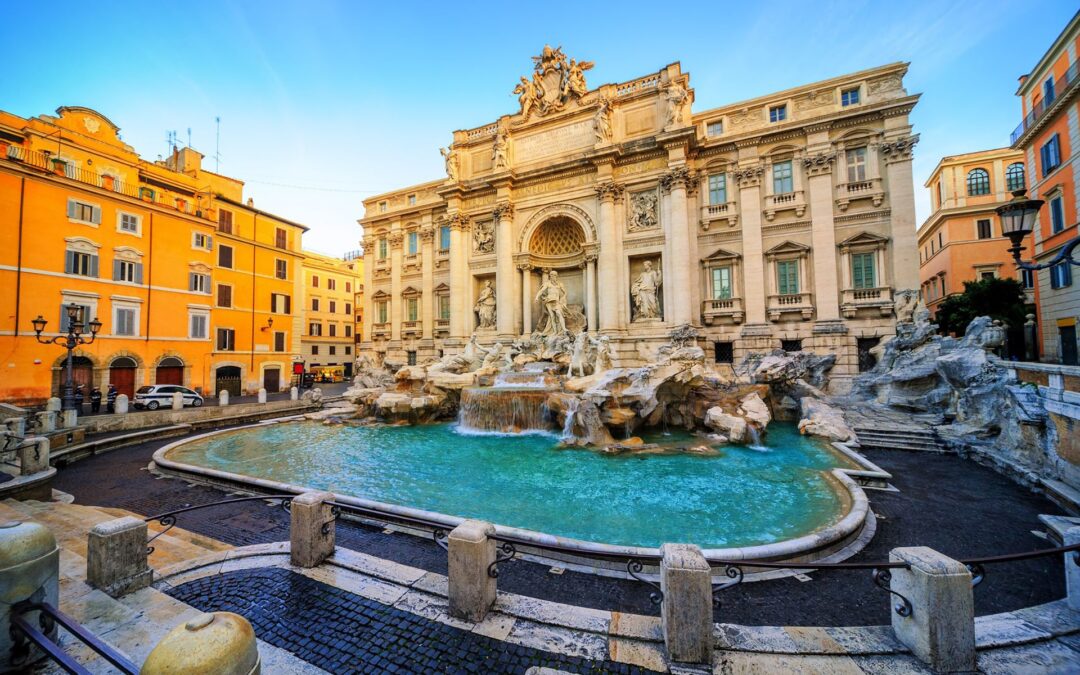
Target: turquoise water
x,y
741,497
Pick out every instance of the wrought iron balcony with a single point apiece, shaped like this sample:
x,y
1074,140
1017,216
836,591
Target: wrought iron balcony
x,y
722,310
1062,86
855,299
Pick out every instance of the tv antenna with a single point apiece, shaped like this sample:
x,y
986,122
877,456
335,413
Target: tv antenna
x,y
217,144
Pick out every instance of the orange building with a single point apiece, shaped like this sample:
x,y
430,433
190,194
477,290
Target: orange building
x,y
136,244
962,239
1047,136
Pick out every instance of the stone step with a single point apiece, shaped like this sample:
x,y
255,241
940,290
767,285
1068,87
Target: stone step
x,y
924,433
884,445
868,439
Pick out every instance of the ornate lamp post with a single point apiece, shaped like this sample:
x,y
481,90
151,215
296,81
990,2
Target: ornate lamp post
x,y
1018,220
73,339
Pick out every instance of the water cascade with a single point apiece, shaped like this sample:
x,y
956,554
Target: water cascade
x,y
506,409
521,380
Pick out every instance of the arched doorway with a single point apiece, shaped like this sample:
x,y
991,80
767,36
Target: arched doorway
x,y
227,378
122,375
82,374
170,370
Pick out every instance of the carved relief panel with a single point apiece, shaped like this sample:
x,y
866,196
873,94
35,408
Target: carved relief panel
x,y
644,211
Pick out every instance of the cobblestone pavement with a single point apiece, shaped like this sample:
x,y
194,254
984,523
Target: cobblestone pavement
x,y
945,502
344,633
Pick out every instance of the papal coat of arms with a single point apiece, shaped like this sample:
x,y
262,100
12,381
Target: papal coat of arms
x,y
555,81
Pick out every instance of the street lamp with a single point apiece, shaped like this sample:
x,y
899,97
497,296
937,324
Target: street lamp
x,y
1018,220
73,339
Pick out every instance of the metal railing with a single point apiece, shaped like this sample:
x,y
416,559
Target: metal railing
x,y
1061,87
25,632
168,519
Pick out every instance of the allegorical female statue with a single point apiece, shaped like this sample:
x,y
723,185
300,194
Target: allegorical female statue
x,y
645,291
552,299
485,306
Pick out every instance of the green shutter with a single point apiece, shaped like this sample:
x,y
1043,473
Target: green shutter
x,y
93,265
787,277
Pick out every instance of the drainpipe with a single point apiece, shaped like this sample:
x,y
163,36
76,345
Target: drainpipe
x,y
149,275
254,253
18,268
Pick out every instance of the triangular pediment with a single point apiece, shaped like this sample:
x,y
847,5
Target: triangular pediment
x,y
864,238
442,288
380,294
788,247
723,254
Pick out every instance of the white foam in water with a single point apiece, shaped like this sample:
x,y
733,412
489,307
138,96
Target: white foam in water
x,y
755,439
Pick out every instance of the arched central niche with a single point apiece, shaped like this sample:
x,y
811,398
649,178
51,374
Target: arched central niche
x,y
557,237
558,243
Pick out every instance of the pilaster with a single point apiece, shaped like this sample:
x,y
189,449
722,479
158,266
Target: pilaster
x,y
819,171
504,269
749,179
395,239
679,264
608,258
427,267
897,154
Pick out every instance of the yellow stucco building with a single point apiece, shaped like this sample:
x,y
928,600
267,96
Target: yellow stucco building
x,y
331,286
140,246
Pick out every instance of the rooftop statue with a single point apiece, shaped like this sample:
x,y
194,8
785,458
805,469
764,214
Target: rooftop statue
x,y
555,82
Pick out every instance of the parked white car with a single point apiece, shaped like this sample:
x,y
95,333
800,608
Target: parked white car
x,y
161,395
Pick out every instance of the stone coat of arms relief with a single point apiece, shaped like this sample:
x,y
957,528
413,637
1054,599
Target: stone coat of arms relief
x,y
556,81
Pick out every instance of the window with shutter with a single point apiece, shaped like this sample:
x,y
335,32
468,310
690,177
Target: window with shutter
x,y
279,342
225,256
224,295
281,238
333,330
1057,214
333,307
225,221
862,270
787,272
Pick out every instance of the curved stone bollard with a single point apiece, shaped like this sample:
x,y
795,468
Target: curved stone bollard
x,y
294,394
686,610
223,397
122,404
221,643
177,401
262,396
29,570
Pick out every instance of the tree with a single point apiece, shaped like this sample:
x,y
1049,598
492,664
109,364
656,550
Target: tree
x,y
1002,299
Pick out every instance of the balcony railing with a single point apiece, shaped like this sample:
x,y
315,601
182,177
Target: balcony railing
x,y
1061,86
802,303
787,200
854,299
722,309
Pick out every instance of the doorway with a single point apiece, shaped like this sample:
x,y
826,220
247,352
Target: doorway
x,y
272,379
227,378
122,375
866,359
82,373
1067,337
170,370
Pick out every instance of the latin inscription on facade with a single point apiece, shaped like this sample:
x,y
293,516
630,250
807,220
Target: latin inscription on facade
x,y
554,141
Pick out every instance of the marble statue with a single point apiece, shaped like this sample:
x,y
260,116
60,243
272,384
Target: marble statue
x,y
484,237
499,154
527,96
602,121
552,299
485,306
578,356
556,81
494,358
451,160
645,290
676,97
575,78
602,360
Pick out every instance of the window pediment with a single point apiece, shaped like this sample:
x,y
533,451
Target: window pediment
x,y
721,254
410,292
128,253
380,295
863,240
788,249
82,244
200,267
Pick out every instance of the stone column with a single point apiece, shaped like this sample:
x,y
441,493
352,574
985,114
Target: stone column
x,y
368,243
471,552
427,277
823,235
678,267
47,421
905,250
749,182
394,240
459,260
940,630
686,582
311,529
294,394
526,298
608,258
116,556
69,419
504,270
590,291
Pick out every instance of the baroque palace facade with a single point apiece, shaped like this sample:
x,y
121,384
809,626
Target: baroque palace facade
x,y
783,221
193,285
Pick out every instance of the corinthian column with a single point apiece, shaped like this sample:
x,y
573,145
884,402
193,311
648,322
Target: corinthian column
x,y
749,182
395,239
590,290
526,297
504,270
897,154
678,265
368,242
608,258
427,298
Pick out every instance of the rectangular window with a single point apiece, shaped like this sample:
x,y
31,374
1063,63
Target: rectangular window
x,y
315,329
383,249
849,97
314,304
940,239
778,113
225,256
224,295
333,349
224,221
411,311
281,269
986,230
348,287
83,264
314,282
348,308
348,350
382,312
124,321
856,164
314,350
412,200
444,306
348,330
414,243
83,212
941,192
1027,278
791,346
331,284
986,275
280,303
382,207
718,188
1057,214
863,274
128,222
226,340
787,277
198,324
279,341
1061,275
714,128
203,241
333,329
1050,154
782,178
724,352
410,357
126,270
444,238
333,307
721,283
281,238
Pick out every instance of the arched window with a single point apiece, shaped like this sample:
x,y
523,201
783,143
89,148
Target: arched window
x,y
1014,177
978,182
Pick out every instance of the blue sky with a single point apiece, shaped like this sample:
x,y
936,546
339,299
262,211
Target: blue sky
x,y
355,98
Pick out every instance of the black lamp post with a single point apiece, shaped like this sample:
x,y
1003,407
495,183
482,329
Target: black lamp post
x,y
73,339
1018,220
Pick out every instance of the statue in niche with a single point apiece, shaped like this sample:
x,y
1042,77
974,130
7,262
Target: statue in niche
x,y
499,154
552,299
645,292
643,211
603,359
484,238
602,121
676,97
451,160
485,306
